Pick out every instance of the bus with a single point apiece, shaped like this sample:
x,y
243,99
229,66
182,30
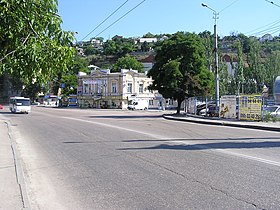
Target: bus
x,y
19,105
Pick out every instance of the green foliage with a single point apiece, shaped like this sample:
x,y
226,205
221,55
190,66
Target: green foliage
x,y
33,47
110,47
180,70
90,50
69,78
70,84
270,118
119,46
148,35
127,62
208,42
80,64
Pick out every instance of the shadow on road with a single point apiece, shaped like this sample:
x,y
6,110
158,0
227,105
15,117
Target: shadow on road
x,y
206,146
202,139
126,117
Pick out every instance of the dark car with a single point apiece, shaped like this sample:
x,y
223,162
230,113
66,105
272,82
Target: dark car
x,y
211,109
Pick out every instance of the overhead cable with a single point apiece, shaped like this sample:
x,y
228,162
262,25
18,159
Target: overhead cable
x,y
121,17
273,3
105,20
229,5
269,28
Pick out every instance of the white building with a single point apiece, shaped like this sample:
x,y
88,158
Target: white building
x,y
103,89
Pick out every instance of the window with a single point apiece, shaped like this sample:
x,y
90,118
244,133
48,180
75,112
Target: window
x,y
114,87
151,102
141,88
129,87
86,89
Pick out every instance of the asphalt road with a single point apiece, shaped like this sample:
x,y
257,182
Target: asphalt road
x,y
113,159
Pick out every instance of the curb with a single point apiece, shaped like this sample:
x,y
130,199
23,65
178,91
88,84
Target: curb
x,y
18,169
222,123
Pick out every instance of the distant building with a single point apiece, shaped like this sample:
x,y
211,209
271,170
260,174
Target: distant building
x,y
148,63
231,63
266,37
148,40
103,89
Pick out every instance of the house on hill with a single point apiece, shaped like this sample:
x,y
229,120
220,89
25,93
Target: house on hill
x,y
231,63
148,63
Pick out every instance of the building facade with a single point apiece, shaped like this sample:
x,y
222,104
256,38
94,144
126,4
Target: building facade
x,y
103,89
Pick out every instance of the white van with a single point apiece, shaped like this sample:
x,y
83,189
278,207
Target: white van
x,y
138,105
19,105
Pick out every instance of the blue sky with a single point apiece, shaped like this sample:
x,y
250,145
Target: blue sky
x,y
251,17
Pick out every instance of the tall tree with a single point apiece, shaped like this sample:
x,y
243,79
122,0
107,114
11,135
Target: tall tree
x,y
33,47
128,62
273,70
180,69
239,74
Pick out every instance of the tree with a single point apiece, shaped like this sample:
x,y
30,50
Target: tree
x,y
119,46
148,35
33,47
90,50
110,47
239,74
128,62
208,43
180,69
255,74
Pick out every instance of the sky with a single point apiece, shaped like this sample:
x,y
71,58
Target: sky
x,y
134,18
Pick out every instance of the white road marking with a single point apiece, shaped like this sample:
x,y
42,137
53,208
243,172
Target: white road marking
x,y
262,160
118,127
227,152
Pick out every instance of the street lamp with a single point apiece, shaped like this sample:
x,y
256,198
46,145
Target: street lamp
x,y
217,84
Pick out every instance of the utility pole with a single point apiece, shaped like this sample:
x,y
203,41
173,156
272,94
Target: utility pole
x,y
216,64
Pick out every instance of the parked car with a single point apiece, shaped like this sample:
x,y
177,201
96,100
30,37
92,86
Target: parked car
x,y
273,110
211,109
138,105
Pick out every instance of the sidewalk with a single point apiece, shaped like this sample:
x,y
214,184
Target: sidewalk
x,y
10,190
269,126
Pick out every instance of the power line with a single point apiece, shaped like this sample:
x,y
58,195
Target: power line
x,y
121,17
229,6
269,28
273,3
105,20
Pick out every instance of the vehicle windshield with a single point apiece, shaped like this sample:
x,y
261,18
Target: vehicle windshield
x,y
23,102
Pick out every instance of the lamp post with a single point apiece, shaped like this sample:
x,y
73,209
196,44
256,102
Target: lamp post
x,y
217,82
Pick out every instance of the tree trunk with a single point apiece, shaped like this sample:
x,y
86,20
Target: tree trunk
x,y
179,106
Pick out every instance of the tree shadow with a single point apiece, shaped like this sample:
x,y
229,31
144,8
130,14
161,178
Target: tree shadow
x,y
200,139
125,117
211,145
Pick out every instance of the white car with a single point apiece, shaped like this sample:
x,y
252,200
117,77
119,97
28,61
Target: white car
x,y
273,110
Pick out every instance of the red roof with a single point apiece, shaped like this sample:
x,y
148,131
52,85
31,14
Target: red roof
x,y
149,59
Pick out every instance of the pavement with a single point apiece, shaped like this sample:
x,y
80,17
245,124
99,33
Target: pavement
x,y
13,192
268,126
12,186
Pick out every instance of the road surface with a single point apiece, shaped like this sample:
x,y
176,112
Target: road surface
x,y
113,159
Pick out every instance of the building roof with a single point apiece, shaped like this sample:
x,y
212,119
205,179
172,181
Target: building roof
x,y
149,59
